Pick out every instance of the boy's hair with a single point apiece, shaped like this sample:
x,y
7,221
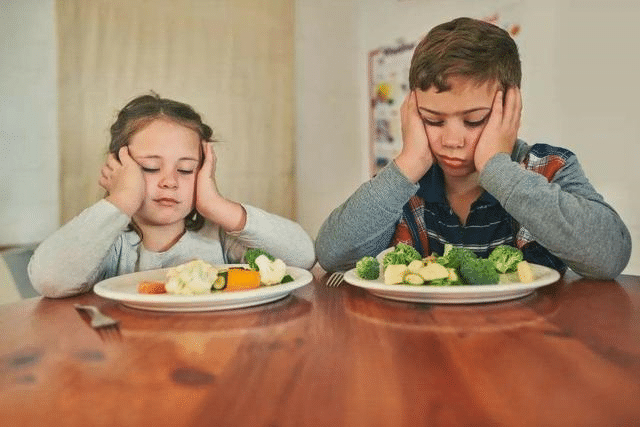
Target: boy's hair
x,y
140,112
465,47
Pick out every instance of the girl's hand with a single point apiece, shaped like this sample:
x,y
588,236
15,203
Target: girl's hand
x,y
230,215
416,158
206,190
501,131
124,182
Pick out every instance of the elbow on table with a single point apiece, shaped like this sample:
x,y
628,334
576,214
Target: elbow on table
x,y
50,286
606,268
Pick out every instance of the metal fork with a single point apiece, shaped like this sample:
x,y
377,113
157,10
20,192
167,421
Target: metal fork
x,y
335,279
106,326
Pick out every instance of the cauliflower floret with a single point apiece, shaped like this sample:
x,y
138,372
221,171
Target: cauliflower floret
x,y
191,278
271,272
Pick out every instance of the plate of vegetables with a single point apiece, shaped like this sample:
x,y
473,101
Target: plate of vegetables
x,y
458,276
200,286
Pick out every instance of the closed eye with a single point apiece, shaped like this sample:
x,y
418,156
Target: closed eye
x,y
476,123
432,122
150,170
186,172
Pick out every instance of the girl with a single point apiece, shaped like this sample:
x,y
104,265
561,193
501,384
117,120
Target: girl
x,y
162,208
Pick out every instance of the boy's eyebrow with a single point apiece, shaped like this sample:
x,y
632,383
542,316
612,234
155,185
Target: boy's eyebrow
x,y
438,113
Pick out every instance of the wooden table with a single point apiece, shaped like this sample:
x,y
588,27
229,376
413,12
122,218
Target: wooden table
x,y
569,355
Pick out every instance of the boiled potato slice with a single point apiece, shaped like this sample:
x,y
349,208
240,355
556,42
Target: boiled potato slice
x,y
525,274
415,265
394,274
433,271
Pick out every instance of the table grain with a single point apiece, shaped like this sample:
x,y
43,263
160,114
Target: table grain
x,y
567,355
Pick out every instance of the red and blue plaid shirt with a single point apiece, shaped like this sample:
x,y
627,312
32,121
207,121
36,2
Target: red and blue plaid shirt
x,y
428,222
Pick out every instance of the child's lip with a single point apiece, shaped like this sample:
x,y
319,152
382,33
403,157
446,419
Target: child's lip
x,y
451,161
166,201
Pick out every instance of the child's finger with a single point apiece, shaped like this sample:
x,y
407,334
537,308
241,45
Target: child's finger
x,y
123,154
209,161
512,108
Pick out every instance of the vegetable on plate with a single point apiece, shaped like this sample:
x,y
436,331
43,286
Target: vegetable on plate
x,y
457,266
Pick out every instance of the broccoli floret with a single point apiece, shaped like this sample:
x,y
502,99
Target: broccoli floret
x,y
505,258
368,268
402,254
479,271
252,253
453,257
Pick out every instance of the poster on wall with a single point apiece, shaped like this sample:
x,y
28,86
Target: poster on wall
x,y
388,86
388,75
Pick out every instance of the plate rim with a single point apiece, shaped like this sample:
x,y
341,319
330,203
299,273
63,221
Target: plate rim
x,y
454,294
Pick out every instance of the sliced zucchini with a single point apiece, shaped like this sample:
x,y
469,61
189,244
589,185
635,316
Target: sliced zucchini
x,y
221,282
412,278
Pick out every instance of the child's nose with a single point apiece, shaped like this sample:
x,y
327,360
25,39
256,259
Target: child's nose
x,y
452,137
169,180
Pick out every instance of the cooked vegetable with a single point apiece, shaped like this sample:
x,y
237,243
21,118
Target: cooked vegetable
x,y
241,278
402,254
394,274
412,278
479,271
271,271
221,282
287,278
147,287
252,253
453,256
433,271
505,258
368,268
525,274
194,277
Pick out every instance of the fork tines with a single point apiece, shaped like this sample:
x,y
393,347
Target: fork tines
x,y
106,326
335,279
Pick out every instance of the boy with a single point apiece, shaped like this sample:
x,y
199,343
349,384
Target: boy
x,y
463,177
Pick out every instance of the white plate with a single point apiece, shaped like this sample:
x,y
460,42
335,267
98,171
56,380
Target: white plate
x,y
508,288
124,289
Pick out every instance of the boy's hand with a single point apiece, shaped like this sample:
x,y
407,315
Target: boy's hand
x,y
416,158
124,181
500,133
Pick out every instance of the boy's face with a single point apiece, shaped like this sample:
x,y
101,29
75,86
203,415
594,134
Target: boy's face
x,y
454,121
169,155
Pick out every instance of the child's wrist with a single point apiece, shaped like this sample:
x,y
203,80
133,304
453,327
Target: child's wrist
x,y
412,168
126,207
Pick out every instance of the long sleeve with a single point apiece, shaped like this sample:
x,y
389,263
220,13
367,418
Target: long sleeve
x,y
566,216
70,261
364,224
281,237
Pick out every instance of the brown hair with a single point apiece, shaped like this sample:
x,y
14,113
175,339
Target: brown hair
x,y
140,112
465,47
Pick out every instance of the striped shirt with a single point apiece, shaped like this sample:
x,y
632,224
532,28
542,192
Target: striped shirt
x,y
428,222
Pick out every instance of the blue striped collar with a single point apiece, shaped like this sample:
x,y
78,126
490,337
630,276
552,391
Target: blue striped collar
x,y
432,189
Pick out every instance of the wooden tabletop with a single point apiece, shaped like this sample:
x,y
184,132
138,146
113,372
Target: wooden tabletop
x,y
568,355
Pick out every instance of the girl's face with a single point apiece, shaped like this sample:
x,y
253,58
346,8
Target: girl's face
x,y
169,155
454,121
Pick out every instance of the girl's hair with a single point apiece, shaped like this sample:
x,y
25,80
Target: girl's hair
x,y
143,110
465,47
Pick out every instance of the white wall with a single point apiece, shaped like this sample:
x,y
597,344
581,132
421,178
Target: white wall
x,y
580,89
28,122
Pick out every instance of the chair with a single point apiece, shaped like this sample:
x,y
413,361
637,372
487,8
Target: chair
x,y
14,280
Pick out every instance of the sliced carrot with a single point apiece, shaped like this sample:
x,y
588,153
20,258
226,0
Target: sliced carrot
x,y
241,278
147,287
